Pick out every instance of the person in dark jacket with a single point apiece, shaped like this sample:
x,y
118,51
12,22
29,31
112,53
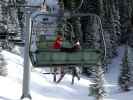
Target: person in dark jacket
x,y
74,48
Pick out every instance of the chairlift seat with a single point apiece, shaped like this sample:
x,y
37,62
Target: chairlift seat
x,y
56,57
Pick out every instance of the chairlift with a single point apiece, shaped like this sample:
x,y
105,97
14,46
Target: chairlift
x,y
43,54
44,34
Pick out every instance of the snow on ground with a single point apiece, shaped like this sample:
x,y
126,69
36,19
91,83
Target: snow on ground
x,y
42,87
111,78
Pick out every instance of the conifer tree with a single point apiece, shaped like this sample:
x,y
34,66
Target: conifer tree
x,y
3,16
125,74
126,8
3,68
3,29
97,88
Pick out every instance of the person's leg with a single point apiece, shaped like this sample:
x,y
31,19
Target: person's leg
x,y
73,75
62,74
77,75
73,79
77,72
54,77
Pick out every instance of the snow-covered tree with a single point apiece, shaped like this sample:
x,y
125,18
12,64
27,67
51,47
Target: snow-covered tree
x,y
3,68
12,22
3,29
125,9
20,13
125,74
3,15
97,87
109,14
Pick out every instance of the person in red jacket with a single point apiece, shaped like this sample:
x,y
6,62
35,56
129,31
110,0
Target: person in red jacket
x,y
58,42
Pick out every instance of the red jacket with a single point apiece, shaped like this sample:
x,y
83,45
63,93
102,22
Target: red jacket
x,y
57,43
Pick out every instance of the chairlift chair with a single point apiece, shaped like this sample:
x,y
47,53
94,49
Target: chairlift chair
x,y
42,54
